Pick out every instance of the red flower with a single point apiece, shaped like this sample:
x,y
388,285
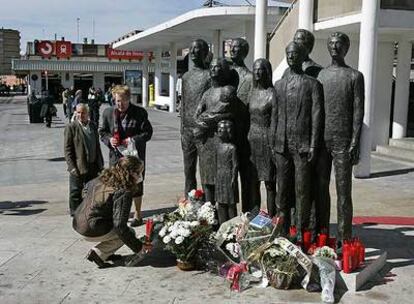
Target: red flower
x,y
198,194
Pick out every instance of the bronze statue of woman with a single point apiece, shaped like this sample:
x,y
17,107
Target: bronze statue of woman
x,y
216,105
260,103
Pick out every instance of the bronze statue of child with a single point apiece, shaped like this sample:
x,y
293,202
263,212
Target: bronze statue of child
x,y
226,190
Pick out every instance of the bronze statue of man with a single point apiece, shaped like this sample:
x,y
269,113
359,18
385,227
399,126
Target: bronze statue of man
x,y
306,39
344,111
295,130
194,83
249,189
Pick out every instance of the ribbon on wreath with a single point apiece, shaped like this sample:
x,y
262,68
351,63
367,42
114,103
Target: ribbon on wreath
x,y
233,275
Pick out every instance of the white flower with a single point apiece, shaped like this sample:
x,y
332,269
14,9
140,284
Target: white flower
x,y
162,231
233,249
166,239
194,223
179,240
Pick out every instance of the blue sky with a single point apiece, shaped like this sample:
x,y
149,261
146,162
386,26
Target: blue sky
x,y
41,19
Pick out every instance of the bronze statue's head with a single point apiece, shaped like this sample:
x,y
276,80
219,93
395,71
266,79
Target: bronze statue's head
x,y
198,52
239,49
262,72
305,38
338,45
225,130
295,54
220,70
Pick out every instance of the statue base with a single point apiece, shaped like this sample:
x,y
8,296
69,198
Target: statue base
x,y
369,270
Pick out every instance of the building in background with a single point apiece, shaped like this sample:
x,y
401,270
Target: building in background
x,y
56,64
9,49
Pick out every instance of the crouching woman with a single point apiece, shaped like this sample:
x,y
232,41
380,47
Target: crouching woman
x,y
103,214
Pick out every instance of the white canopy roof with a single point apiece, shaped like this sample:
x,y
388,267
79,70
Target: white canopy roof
x,y
199,23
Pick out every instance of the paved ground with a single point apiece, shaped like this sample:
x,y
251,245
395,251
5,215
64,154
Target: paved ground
x,y
41,257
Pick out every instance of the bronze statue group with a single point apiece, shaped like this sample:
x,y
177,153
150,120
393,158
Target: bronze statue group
x,y
237,123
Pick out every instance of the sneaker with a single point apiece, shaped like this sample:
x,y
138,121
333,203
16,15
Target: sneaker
x,y
136,222
92,256
135,259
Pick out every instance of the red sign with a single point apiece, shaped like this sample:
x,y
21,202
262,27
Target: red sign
x,y
121,54
63,49
45,48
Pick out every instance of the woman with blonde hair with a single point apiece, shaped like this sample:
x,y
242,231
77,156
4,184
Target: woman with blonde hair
x,y
122,124
103,215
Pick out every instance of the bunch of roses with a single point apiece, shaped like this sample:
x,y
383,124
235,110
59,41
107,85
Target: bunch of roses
x,y
177,231
195,195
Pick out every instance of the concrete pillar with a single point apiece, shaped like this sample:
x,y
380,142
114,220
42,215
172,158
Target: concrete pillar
x,y
306,15
249,36
260,31
145,81
157,74
366,65
402,89
99,81
385,59
217,44
173,76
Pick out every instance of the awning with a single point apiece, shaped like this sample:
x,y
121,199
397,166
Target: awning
x,y
24,65
200,23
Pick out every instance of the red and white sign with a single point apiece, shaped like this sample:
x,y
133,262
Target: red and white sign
x,y
121,54
45,48
63,49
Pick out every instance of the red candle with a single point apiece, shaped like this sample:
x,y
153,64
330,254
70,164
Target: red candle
x,y
292,231
354,255
306,239
148,229
346,258
322,239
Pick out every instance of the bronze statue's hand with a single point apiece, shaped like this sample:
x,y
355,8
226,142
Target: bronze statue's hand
x,y
311,155
354,154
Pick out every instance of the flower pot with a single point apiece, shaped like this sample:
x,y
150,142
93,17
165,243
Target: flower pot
x,y
185,265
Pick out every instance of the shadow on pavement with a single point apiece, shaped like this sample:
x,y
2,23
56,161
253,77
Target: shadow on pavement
x,y
57,159
16,208
391,173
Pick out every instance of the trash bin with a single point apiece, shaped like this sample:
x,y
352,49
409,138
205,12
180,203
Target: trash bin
x,y
34,106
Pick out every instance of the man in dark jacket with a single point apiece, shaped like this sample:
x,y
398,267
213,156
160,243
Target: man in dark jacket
x,y
82,154
295,134
120,124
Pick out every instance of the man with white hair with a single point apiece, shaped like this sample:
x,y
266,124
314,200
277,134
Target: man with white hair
x,y
82,154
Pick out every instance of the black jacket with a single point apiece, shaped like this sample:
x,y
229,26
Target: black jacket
x,y
309,115
138,126
104,209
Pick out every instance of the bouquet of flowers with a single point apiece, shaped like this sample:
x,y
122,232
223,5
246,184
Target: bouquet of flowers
x,y
324,258
279,267
184,229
